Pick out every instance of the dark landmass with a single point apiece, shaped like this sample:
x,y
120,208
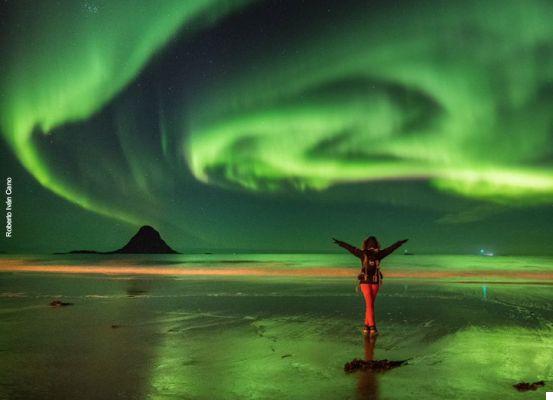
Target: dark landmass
x,y
372,365
82,252
146,241
59,303
526,386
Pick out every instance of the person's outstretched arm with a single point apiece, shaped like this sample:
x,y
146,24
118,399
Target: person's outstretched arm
x,y
352,249
389,250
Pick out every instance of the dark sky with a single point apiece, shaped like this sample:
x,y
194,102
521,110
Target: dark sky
x,y
276,125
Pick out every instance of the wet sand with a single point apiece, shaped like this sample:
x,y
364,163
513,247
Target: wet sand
x,y
266,336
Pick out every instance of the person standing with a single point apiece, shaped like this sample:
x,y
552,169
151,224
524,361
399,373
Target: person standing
x,y
370,277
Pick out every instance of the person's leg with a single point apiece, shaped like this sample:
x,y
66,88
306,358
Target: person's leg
x,y
374,292
369,303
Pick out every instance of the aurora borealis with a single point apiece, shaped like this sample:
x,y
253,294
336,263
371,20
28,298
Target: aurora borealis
x,y
273,125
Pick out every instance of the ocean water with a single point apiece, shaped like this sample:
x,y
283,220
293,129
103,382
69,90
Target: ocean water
x,y
272,327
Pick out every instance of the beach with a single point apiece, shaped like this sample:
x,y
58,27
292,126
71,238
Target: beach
x,y
261,326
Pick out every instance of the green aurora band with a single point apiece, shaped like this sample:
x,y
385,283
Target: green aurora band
x,y
438,92
71,59
444,93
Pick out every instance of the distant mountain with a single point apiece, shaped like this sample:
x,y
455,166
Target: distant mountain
x,y
146,241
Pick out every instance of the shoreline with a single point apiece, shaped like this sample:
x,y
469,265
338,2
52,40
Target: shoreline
x,y
313,272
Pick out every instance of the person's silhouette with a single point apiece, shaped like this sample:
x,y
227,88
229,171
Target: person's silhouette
x,y
370,277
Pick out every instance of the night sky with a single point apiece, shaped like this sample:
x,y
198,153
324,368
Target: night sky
x,y
276,125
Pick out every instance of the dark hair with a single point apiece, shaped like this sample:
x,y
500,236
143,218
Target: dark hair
x,y
369,242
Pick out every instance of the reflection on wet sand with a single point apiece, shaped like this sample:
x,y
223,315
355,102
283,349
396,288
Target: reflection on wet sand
x,y
367,381
137,287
